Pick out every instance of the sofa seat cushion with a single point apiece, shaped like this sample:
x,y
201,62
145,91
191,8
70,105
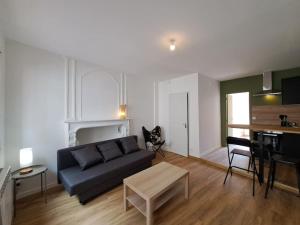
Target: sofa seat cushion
x,y
76,180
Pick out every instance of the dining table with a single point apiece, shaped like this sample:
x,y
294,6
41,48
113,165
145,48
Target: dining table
x,y
262,129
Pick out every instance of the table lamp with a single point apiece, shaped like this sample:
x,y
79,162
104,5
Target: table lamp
x,y
26,160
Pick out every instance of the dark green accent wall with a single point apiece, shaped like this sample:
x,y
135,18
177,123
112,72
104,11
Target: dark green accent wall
x,y
251,84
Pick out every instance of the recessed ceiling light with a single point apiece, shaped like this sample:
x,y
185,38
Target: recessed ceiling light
x,y
172,45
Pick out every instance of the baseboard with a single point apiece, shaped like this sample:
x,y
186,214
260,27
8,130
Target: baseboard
x,y
34,191
167,149
208,151
277,184
217,165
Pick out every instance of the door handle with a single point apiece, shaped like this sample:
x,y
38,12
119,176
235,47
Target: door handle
x,y
185,125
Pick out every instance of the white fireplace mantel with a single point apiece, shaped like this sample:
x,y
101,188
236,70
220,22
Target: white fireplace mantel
x,y
74,126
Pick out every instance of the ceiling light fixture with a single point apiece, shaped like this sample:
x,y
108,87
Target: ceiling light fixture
x,y
172,45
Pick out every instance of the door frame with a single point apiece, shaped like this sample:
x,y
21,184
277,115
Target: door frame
x,y
188,124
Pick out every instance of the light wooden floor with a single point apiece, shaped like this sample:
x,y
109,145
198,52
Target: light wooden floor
x,y
284,174
210,203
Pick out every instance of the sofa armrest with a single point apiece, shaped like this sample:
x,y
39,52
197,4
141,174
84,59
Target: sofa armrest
x,y
64,160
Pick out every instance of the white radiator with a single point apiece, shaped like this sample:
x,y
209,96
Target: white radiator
x,y
6,197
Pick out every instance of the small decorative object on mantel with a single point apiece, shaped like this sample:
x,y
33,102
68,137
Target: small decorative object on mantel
x,y
123,112
25,161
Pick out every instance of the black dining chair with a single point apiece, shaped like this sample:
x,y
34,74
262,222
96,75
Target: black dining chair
x,y
289,155
234,141
154,140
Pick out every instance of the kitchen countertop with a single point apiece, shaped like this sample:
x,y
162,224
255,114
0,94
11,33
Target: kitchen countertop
x,y
266,128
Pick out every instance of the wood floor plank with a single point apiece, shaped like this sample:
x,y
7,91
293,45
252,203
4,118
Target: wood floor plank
x,y
210,202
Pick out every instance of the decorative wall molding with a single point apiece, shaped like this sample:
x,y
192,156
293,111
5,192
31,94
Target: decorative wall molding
x,y
82,77
70,87
76,74
74,77
123,92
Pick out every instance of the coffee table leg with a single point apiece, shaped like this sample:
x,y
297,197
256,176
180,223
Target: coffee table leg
x,y
187,186
149,215
125,197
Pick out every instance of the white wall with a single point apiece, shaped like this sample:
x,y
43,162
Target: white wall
x,y
34,107
209,115
2,97
140,101
93,93
204,111
188,84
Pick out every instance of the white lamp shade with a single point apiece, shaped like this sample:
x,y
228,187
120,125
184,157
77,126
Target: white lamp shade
x,y
172,47
25,157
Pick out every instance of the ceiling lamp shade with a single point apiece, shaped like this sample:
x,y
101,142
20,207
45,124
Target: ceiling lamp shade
x,y
172,45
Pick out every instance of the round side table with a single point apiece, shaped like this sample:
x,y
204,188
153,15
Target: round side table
x,y
36,171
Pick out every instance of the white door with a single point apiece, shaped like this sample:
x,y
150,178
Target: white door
x,y
178,123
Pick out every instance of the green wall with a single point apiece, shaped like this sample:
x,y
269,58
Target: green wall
x,y
251,84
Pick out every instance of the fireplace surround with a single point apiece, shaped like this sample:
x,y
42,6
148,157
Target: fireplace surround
x,y
74,126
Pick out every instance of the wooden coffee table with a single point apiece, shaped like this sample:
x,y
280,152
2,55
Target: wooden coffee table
x,y
153,187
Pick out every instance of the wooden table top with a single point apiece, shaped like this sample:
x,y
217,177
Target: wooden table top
x,y
36,170
266,128
153,181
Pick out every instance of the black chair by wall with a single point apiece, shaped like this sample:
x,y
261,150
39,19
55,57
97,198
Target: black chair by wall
x,y
153,140
250,154
290,155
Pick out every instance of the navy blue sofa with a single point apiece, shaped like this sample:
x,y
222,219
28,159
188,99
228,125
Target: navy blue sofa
x,y
89,183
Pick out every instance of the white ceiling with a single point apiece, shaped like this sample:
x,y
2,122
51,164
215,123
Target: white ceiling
x,y
217,38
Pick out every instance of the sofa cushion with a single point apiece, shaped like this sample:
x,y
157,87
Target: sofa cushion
x,y
87,156
129,145
77,181
110,151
